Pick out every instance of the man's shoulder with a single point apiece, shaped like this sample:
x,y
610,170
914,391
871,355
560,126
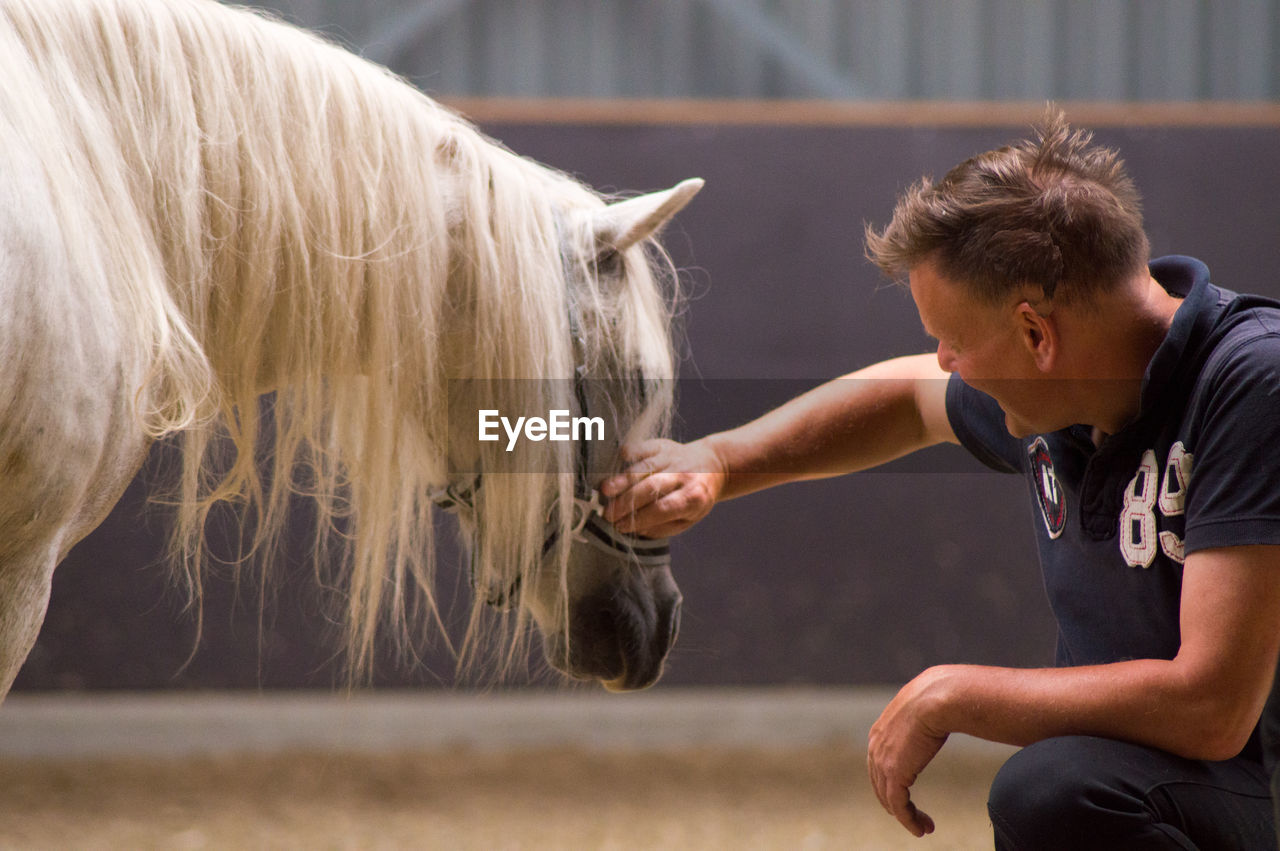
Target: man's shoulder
x,y
1246,336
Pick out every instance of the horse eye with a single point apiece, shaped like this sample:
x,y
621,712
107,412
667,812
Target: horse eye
x,y
608,263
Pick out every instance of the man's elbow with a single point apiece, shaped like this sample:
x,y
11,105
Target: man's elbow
x,y
1218,730
1216,747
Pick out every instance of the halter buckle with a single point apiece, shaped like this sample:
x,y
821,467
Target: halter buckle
x,y
455,495
583,508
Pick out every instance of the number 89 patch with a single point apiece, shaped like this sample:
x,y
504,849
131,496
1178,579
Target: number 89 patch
x,y
1146,492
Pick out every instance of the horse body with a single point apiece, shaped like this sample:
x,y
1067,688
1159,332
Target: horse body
x,y
68,442
198,206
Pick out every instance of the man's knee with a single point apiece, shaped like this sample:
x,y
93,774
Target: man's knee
x,y
1034,793
1069,793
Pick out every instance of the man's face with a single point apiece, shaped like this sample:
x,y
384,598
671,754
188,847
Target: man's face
x,y
984,344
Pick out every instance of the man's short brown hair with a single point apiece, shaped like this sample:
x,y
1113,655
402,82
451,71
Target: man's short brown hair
x,y
1055,211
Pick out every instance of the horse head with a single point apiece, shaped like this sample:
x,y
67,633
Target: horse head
x,y
605,603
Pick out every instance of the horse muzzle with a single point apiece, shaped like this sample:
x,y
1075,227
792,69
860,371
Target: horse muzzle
x,y
621,636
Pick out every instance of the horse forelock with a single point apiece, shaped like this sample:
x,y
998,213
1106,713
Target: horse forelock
x,y
271,213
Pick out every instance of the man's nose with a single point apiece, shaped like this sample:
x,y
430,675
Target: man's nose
x,y
946,358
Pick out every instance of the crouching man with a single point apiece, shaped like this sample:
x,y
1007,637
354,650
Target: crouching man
x,y
1141,403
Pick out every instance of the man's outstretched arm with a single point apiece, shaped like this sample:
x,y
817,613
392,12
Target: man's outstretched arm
x,y
866,418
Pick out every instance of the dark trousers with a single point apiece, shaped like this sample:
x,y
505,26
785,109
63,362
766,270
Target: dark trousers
x,y
1081,792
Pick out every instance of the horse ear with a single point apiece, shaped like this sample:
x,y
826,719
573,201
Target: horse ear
x,y
624,223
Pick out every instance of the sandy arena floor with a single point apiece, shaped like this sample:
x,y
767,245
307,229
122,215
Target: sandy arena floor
x,y
694,796
554,799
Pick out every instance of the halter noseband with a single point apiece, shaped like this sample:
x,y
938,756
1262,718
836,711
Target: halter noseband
x,y
588,527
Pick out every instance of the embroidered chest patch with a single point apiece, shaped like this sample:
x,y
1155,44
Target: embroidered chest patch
x,y
1053,500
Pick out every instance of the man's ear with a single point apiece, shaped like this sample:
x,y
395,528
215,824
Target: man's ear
x,y
1038,333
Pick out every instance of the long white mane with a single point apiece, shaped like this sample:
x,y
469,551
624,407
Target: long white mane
x,y
268,213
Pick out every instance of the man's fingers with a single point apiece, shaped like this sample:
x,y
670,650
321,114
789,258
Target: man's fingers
x,y
919,822
631,502
873,772
642,509
661,530
639,470
908,815
630,453
896,799
647,527
662,492
619,482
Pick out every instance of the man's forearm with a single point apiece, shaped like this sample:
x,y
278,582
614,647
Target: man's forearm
x,y
864,419
1202,704
1148,702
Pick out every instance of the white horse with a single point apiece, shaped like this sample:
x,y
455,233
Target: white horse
x,y
200,206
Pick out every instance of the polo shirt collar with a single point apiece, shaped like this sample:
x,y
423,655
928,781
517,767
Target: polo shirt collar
x,y
1189,278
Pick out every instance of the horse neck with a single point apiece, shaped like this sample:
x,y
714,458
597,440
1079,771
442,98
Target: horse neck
x,y
313,216
308,231
349,223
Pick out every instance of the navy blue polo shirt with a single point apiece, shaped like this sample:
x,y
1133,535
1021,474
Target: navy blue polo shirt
x,y
1198,468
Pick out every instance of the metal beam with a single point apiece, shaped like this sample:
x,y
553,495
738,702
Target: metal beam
x,y
751,22
396,38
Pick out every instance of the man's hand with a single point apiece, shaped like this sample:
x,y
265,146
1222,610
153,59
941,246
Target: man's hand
x,y
666,488
901,744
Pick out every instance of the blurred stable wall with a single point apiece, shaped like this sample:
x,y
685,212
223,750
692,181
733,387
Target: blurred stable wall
x,y
866,579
